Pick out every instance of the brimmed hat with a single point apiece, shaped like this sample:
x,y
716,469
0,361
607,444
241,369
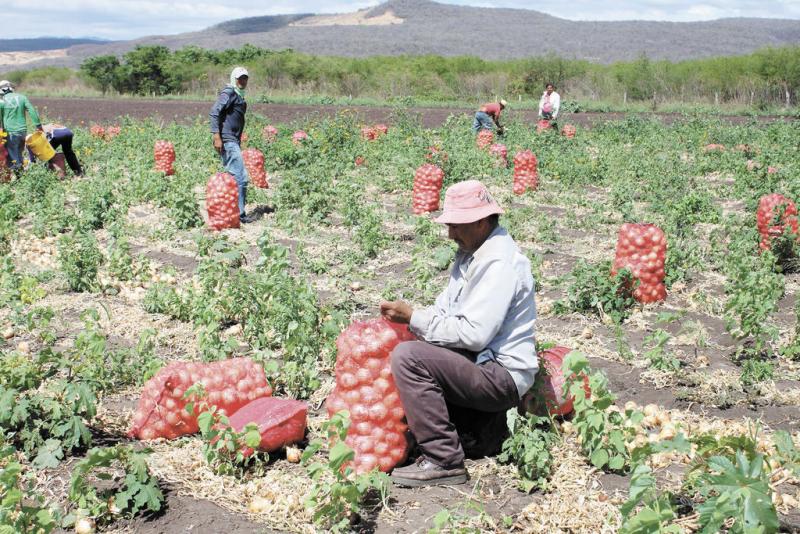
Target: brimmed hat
x,y
503,103
467,202
5,86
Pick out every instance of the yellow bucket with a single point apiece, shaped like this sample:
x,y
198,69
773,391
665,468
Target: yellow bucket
x,y
40,146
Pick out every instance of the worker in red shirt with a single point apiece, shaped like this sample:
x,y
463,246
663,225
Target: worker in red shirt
x,y
488,117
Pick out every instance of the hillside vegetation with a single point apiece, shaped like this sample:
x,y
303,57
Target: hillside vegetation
x,y
765,80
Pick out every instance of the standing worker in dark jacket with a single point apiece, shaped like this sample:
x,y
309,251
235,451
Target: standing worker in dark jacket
x,y
227,125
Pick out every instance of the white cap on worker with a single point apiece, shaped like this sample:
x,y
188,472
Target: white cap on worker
x,y
5,86
503,103
238,72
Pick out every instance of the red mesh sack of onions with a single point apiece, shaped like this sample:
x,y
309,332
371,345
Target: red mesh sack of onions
x,y
543,125
229,385
164,155
427,188
365,387
642,248
269,133
568,131
97,131
775,214
500,154
547,394
525,172
299,137
484,139
222,202
254,164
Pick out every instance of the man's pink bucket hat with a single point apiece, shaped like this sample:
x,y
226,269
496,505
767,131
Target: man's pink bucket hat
x,y
467,202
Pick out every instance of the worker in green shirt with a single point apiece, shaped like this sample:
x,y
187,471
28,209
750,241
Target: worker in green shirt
x,y
12,120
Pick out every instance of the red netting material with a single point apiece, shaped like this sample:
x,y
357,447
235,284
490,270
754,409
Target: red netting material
x,y
547,394
569,131
229,385
775,213
269,133
484,138
500,154
299,137
280,421
642,249
164,153
365,387
427,187
525,172
222,202
254,163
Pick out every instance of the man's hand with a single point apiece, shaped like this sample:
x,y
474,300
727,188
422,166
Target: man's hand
x,y
396,311
217,143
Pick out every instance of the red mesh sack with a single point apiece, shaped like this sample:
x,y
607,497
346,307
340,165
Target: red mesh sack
x,y
5,170
97,131
368,133
714,148
299,136
164,152
360,160
280,421
525,172
775,213
569,131
500,154
254,163
269,133
365,387
542,126
642,249
547,394
382,129
772,170
112,132
229,385
484,139
222,202
427,187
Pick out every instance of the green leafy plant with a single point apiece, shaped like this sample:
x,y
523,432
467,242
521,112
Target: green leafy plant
x,y
656,509
135,489
603,434
656,355
736,490
528,447
594,290
22,510
337,492
80,259
227,452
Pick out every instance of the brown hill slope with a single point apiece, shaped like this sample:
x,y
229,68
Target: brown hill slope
x,y
425,27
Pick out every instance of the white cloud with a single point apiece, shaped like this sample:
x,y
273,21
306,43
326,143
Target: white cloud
x,y
128,19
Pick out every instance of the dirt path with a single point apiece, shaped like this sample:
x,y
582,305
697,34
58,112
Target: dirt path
x,y
90,110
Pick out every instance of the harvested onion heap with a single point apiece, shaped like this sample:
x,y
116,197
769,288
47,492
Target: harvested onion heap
x,y
222,202
164,156
365,387
776,214
427,188
642,248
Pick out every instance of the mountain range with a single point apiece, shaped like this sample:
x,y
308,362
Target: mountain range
x,y
418,27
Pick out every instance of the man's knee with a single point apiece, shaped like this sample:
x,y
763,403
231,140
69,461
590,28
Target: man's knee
x,y
406,355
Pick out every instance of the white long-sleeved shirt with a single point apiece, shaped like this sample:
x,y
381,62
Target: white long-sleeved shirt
x,y
555,101
488,307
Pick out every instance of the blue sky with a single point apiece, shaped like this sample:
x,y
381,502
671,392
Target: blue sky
x,y
128,19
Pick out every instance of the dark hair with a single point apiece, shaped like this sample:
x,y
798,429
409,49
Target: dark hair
x,y
494,220
548,84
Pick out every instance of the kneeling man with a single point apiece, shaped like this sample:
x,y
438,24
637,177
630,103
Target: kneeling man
x,y
476,356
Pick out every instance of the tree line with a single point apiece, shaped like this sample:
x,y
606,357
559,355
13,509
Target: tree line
x,y
766,78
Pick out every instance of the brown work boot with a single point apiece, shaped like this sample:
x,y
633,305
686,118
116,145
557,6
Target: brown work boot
x,y
423,472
